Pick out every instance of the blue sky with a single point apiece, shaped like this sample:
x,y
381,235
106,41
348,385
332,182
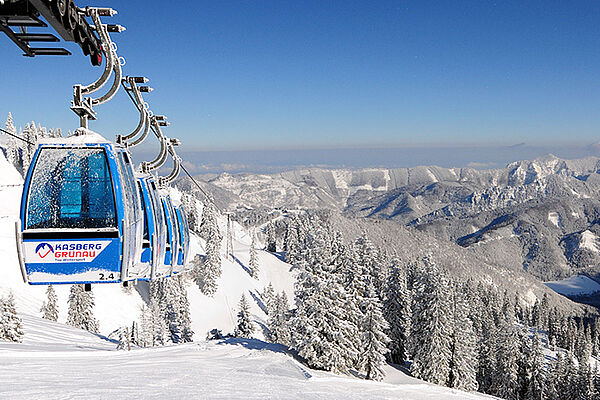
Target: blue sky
x,y
314,74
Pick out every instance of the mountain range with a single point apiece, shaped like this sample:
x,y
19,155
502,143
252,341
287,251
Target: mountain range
x,y
539,216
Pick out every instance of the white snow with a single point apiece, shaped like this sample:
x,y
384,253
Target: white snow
x,y
341,178
588,241
10,176
575,285
554,218
81,135
57,361
432,176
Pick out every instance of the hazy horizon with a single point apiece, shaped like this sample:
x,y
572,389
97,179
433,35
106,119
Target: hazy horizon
x,y
458,156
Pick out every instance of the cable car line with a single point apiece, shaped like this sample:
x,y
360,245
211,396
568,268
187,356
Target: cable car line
x,y
17,137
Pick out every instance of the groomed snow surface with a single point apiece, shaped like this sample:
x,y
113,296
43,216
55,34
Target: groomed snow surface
x,y
56,361
59,362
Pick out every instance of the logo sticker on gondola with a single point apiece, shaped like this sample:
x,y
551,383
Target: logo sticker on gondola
x,y
79,251
43,249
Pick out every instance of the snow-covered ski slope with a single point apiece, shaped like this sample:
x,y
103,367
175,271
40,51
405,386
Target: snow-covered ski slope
x,y
56,361
59,362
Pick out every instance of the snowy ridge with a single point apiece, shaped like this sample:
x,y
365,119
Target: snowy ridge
x,y
518,182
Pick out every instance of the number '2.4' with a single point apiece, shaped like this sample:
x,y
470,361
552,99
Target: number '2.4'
x,y
103,276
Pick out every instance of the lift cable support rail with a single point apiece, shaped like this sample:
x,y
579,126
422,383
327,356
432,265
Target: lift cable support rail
x,y
20,20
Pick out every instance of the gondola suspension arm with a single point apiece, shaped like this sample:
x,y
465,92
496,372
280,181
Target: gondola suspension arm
x,y
104,38
163,181
83,106
134,91
160,159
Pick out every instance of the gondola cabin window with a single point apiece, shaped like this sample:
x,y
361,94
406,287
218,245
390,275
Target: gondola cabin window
x,y
71,188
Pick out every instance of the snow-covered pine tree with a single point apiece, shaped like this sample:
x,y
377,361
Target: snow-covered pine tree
x,y
544,311
253,263
596,379
171,309
30,133
206,271
518,311
524,364
154,329
12,147
145,327
203,276
595,334
158,328
11,325
9,126
244,327
292,241
268,298
55,133
506,379
209,228
396,309
536,388
49,308
124,338
173,324
135,335
367,256
373,337
569,378
321,330
583,344
483,309
317,246
188,203
431,325
463,347
42,132
229,239
271,239
165,293
552,384
350,276
81,309
584,382
183,310
508,308
279,331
